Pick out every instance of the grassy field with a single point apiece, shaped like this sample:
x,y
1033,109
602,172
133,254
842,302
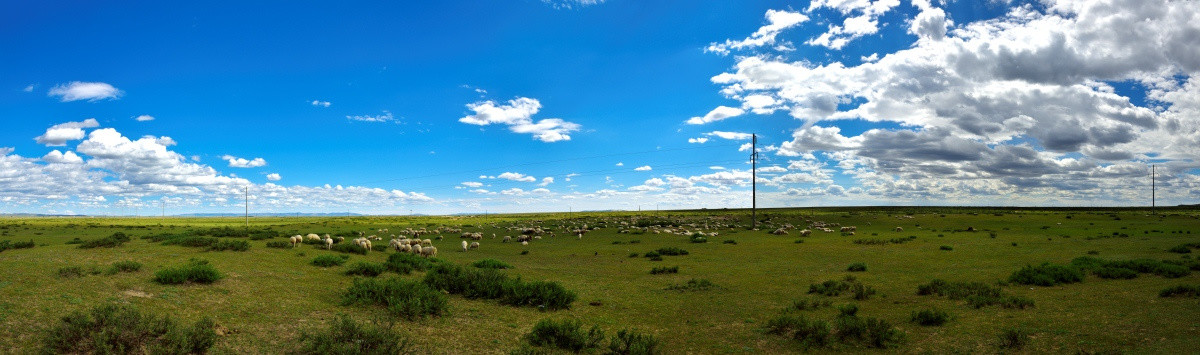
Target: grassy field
x,y
270,296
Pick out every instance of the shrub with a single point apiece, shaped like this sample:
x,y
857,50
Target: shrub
x,y
279,244
633,255
628,342
525,252
1181,249
808,305
862,292
1046,274
946,247
491,264
656,258
799,241
1014,338
234,245
70,272
408,299
75,241
829,288
566,334
112,328
349,248
328,260
930,317
1181,291
672,251
492,284
664,270
345,336
729,241
193,241
1123,268
857,267
112,241
652,254
810,333
195,271
977,295
405,263
363,268
881,334
697,238
847,310
124,266
1017,302
5,245
693,285
1115,273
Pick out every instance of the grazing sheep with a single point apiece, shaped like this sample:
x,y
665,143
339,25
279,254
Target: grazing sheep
x,y
464,245
780,231
525,243
313,236
427,242
296,239
328,243
341,239
474,245
805,232
898,229
506,239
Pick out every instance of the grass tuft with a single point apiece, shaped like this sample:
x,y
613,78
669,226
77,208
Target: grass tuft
x,y
345,336
194,271
112,328
410,300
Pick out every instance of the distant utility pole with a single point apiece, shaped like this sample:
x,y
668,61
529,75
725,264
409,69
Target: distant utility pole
x,y
1153,188
753,180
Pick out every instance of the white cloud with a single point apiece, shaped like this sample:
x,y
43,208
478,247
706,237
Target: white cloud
x,y
274,177
28,88
778,20
385,117
516,177
642,168
620,164
862,18
517,114
319,103
473,184
514,192
60,134
717,114
546,181
58,157
716,167
91,91
236,162
569,176
144,118
571,4
730,135
700,140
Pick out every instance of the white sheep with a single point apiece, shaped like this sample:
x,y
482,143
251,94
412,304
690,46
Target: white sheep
x,y
464,245
296,239
313,236
474,245
427,242
805,232
328,243
525,243
506,239
899,229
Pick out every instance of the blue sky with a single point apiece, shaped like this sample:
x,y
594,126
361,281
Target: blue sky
x,y
423,107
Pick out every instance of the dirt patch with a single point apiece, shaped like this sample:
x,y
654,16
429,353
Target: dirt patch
x,y
136,293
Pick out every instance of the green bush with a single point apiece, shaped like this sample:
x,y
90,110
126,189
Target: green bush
x,y
192,241
829,288
664,270
671,251
628,342
405,263
363,268
946,247
808,305
278,244
491,264
977,295
1014,338
847,310
492,284
234,245
882,335
5,245
862,292
346,337
349,248
1181,291
566,334
328,260
195,271
112,241
930,317
857,267
76,240
70,272
693,285
1114,273
809,333
1181,249
124,266
408,299
1046,274
121,329
730,241
1121,269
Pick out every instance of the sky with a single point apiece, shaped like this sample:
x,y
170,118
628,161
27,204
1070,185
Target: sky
x,y
140,107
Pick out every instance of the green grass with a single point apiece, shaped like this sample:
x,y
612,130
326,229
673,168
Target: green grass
x,y
194,271
271,298
345,336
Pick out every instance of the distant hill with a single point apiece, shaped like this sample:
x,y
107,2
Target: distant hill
x,y
294,214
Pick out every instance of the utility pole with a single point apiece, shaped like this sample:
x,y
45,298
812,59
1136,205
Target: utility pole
x,y
1153,188
753,180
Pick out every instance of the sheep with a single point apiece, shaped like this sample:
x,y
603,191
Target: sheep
x,y
780,231
899,229
313,236
506,239
341,239
296,239
328,243
805,232
474,245
367,245
464,245
525,243
427,242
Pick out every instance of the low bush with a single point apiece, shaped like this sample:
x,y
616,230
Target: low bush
x,y
693,285
652,254
6,245
234,245
363,268
946,247
1184,248
194,271
329,260
1014,338
491,264
671,251
76,240
808,305
1122,269
862,292
628,342
1046,274
1181,291
857,267
492,284
70,272
729,241
829,288
112,241
345,336
405,263
664,270
408,299
809,333
977,294
124,266
566,334
112,328
930,317
1114,273
192,241
697,238
349,248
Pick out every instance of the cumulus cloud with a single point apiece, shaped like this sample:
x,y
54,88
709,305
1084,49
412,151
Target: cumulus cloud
x,y
144,118
571,4
546,181
473,184
777,21
717,114
642,168
60,134
319,103
515,177
861,19
700,140
729,135
58,157
91,91
236,162
517,114
385,117
28,88
274,177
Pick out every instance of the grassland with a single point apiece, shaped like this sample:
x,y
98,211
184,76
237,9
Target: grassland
x,y
269,297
